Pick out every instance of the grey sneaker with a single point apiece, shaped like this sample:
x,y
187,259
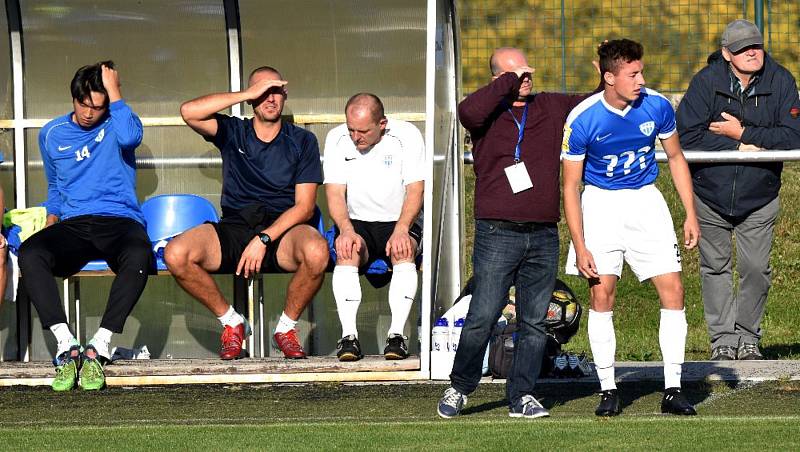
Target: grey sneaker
x,y
749,351
451,403
528,407
723,353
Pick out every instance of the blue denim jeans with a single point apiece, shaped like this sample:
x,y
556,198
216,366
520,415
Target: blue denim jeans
x,y
502,257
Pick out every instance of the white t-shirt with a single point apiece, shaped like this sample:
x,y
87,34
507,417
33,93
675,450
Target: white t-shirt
x,y
376,180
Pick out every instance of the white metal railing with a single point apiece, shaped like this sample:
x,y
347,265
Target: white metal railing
x,y
717,156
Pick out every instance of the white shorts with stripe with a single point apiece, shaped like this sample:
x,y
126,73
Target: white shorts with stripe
x,y
633,225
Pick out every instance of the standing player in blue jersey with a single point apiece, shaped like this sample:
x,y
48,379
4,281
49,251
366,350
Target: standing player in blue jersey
x,y
609,145
92,213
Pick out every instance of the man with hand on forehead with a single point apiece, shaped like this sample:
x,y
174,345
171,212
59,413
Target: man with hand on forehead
x,y
516,135
270,173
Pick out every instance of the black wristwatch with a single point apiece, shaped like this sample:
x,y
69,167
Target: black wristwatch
x,y
265,238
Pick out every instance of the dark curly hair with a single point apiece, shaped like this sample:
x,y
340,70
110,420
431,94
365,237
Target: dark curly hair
x,y
89,79
614,54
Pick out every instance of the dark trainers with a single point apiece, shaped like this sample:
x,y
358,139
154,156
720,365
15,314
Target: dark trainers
x,y
67,365
723,353
349,349
609,404
749,352
232,339
528,407
395,347
675,403
451,403
289,344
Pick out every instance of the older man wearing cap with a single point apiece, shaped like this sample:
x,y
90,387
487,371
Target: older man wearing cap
x,y
742,100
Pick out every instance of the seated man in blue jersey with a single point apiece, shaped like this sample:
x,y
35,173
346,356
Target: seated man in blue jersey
x,y
93,213
270,173
609,145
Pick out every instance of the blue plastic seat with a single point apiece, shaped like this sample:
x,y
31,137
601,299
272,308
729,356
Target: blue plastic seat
x,y
169,215
166,217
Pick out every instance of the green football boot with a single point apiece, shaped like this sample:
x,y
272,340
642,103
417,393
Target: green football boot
x,y
92,376
67,365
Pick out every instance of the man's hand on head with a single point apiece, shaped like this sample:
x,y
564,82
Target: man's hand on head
x,y
111,83
258,89
524,70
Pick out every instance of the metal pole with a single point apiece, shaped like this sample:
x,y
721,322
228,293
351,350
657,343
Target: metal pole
x,y
716,156
234,50
758,14
563,49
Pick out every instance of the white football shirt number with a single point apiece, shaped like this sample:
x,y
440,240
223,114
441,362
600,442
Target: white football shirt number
x,y
82,154
629,157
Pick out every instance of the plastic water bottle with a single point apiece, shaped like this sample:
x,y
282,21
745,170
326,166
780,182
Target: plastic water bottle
x,y
440,335
458,325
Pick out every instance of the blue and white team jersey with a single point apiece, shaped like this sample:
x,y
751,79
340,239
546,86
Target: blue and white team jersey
x,y
92,171
618,145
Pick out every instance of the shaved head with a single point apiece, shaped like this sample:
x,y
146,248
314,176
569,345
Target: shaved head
x,y
368,102
269,69
506,59
509,59
366,121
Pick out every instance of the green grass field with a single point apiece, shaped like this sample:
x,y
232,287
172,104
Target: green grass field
x,y
751,416
636,312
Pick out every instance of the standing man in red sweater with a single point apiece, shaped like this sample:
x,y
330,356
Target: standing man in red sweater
x,y
517,136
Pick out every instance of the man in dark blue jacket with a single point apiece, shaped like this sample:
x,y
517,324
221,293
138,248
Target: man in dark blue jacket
x,y
742,100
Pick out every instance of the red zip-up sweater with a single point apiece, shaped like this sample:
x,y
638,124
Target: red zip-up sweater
x,y
494,135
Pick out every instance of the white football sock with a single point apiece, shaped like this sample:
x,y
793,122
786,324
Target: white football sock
x,y
101,342
231,318
604,346
402,291
672,339
285,324
63,336
347,293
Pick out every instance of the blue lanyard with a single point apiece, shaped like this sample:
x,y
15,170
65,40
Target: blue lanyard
x,y
521,128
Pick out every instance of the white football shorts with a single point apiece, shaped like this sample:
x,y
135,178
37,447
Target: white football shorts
x,y
633,225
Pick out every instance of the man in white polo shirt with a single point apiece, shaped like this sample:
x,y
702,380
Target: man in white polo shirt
x,y
374,179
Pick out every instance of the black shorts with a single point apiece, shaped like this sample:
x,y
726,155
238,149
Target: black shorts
x,y
236,229
376,234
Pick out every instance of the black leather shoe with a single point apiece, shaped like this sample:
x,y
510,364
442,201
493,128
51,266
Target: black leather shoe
x,y
349,349
675,403
609,404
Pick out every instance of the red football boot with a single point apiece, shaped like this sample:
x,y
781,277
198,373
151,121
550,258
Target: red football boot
x,y
232,339
290,345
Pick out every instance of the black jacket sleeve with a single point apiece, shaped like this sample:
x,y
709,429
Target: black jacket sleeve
x,y
695,113
785,132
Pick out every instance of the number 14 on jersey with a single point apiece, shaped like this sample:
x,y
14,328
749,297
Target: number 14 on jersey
x,y
82,154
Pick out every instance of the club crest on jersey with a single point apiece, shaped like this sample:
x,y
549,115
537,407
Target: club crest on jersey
x,y
100,135
387,160
647,128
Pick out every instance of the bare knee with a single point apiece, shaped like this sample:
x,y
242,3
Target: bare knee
x,y
671,295
602,301
314,254
176,256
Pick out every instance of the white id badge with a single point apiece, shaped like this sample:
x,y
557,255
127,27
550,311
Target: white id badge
x,y
518,177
